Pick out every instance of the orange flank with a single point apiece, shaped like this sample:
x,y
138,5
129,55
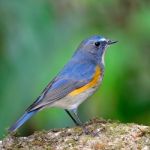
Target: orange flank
x,y
91,84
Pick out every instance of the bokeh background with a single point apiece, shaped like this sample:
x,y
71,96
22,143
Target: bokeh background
x,y
37,37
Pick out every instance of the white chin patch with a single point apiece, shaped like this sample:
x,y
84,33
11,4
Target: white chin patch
x,y
103,61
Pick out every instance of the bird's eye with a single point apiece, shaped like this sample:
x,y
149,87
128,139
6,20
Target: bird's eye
x,y
97,44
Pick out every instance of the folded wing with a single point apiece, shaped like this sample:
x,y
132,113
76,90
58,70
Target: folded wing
x,y
68,80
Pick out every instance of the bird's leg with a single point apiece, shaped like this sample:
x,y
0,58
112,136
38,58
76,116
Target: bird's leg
x,y
74,116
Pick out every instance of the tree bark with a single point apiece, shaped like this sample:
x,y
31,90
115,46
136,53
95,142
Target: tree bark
x,y
102,135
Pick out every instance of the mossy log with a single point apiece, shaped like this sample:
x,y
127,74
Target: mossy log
x,y
103,135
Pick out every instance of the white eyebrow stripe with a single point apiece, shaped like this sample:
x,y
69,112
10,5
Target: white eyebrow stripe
x,y
103,39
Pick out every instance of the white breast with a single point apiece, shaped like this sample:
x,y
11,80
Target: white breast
x,y
72,102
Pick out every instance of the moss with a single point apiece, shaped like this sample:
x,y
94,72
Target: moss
x,y
102,134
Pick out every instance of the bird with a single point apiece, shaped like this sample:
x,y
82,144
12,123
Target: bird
x,y
78,80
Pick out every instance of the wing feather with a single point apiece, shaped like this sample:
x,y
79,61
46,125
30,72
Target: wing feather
x,y
67,81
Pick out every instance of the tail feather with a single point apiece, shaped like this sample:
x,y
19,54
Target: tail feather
x,y
22,120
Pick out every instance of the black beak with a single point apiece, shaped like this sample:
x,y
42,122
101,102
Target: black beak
x,y
109,42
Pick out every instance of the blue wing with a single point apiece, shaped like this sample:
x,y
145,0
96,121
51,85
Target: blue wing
x,y
73,76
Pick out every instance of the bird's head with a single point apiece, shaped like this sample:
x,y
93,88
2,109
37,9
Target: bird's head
x,y
95,46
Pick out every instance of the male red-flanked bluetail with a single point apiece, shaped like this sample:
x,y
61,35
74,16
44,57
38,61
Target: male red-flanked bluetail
x,y
78,80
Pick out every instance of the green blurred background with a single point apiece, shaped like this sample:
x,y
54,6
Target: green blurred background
x,y
37,37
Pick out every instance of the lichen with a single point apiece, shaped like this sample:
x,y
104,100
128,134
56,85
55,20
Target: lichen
x,y
102,135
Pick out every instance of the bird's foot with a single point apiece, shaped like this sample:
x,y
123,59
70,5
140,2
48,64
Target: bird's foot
x,y
89,131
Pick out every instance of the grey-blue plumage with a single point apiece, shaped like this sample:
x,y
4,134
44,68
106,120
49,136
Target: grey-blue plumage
x,y
78,73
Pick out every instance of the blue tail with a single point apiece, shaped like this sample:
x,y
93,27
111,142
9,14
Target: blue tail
x,y
22,120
